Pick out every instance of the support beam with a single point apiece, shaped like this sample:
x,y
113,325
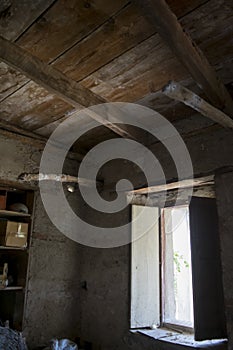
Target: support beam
x,y
25,177
179,93
16,129
173,197
55,82
186,183
167,25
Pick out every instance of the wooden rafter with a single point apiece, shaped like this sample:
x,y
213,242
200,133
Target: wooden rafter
x,y
55,82
168,27
18,130
179,93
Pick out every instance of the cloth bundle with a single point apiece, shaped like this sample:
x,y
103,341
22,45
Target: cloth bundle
x,y
11,340
63,344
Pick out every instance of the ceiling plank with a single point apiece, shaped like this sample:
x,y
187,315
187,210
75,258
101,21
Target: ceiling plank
x,y
148,67
18,130
54,81
187,52
125,30
179,93
17,16
93,48
42,30
66,24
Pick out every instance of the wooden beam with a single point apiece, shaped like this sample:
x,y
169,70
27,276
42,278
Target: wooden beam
x,y
179,93
186,183
167,25
18,130
55,82
25,177
172,197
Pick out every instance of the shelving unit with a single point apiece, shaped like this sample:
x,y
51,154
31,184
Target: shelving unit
x,y
12,248
12,297
9,213
11,288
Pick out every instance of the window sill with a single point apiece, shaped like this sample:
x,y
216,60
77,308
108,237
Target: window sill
x,y
184,339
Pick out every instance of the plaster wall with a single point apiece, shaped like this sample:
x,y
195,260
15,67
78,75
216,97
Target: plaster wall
x,y
52,304
105,303
77,290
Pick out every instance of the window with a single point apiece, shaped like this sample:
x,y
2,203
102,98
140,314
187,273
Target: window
x,y
176,269
176,289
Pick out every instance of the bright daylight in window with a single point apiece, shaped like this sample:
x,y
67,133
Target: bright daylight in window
x,y
177,294
161,279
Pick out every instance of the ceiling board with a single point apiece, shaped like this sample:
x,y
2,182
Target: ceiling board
x,y
150,65
122,32
10,80
16,16
38,107
113,56
66,23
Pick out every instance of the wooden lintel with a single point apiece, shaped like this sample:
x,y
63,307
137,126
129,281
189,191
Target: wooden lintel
x,y
169,28
179,93
172,197
186,183
55,82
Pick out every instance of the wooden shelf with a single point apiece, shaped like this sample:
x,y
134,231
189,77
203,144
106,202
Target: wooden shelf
x,y
13,213
12,298
10,289
12,248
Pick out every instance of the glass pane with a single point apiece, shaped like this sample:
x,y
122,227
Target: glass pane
x,y
177,288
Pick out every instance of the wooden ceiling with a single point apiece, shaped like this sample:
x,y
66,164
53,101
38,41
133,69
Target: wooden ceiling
x,y
109,47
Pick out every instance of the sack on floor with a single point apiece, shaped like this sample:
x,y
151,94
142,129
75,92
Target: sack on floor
x,y
10,339
64,344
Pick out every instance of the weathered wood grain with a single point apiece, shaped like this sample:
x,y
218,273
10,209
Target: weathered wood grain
x,y
173,197
46,76
186,51
138,72
186,183
119,34
142,69
56,82
173,110
10,80
65,24
126,29
179,93
25,177
38,107
16,16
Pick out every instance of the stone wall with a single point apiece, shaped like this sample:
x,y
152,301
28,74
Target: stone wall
x,y
105,304
83,291
52,303
224,192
